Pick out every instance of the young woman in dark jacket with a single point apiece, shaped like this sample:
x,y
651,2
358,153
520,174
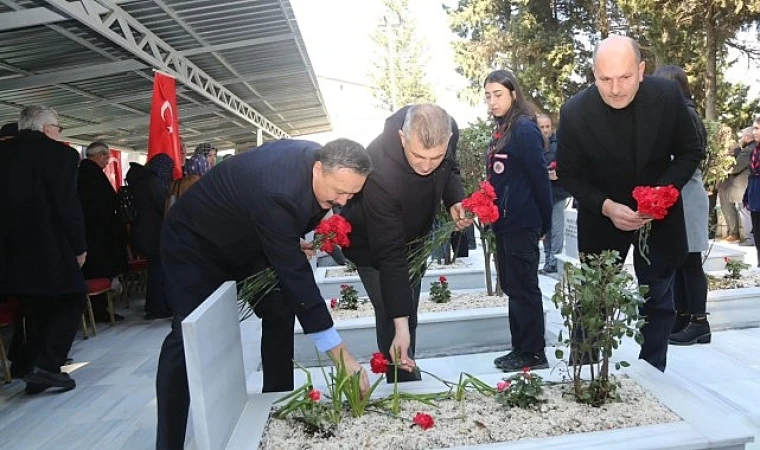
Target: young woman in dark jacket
x,y
516,169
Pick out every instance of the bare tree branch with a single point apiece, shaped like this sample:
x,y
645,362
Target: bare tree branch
x,y
751,52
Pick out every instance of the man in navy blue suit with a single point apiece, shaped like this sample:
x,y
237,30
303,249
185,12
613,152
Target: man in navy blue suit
x,y
246,214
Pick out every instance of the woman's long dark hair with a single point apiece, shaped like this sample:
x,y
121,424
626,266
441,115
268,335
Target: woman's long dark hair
x,y
676,74
519,106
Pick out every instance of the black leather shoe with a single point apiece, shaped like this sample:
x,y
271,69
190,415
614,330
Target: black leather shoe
x,y
41,379
532,361
503,358
693,333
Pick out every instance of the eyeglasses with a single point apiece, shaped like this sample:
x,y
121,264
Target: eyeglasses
x,y
60,128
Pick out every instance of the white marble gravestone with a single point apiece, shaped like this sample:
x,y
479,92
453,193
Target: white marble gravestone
x,y
570,248
215,374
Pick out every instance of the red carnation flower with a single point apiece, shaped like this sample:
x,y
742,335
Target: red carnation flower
x,y
442,279
423,420
553,165
314,395
526,369
482,204
653,202
378,363
331,232
333,303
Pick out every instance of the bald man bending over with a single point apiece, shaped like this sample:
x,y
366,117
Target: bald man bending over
x,y
629,130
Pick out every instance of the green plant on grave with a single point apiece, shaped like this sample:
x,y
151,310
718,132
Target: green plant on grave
x,y
349,297
439,291
305,406
734,267
522,389
599,303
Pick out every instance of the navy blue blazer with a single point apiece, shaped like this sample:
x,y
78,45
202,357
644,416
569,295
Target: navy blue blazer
x,y
246,214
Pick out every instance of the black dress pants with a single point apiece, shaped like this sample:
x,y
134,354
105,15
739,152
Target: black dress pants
x,y
385,330
172,392
51,324
658,311
518,256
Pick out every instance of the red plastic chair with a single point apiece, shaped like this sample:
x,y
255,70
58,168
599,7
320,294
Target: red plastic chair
x,y
97,286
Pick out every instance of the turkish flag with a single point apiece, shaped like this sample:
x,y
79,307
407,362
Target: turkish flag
x,y
163,135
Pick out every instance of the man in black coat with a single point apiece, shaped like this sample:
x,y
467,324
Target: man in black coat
x,y
414,168
42,242
626,131
106,235
247,214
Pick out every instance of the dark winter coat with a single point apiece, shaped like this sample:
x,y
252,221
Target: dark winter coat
x,y
42,229
150,199
106,243
396,207
593,167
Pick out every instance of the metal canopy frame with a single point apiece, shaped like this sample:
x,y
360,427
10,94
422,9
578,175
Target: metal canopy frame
x,y
242,71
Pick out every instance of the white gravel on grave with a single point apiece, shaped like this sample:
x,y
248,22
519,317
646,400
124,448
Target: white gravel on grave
x,y
749,278
458,301
478,420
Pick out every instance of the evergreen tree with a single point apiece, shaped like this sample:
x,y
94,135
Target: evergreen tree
x,y
398,70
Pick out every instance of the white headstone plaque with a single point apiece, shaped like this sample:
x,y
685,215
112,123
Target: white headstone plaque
x,y
571,233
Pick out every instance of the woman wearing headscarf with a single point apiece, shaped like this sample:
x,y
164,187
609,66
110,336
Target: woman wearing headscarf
x,y
208,151
150,184
195,168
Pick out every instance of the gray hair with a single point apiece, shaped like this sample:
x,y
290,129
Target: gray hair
x,y
96,148
747,131
430,123
634,46
35,117
344,154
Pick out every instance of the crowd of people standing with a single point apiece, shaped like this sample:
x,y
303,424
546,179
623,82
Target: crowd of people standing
x,y
250,214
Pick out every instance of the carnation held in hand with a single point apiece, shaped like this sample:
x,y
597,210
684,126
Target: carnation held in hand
x,y
652,202
328,233
482,203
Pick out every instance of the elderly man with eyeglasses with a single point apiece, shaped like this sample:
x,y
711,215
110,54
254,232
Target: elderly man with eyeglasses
x,y
42,242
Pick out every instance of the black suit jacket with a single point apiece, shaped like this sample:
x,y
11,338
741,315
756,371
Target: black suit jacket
x,y
395,207
594,169
43,229
247,213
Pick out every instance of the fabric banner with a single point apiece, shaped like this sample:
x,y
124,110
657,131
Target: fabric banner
x,y
113,169
163,135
